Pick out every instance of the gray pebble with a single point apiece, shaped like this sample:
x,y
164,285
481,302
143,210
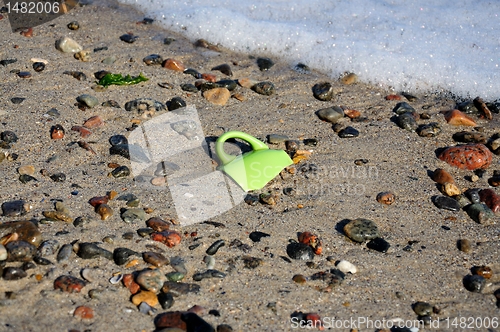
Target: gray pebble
x,y
474,283
87,100
480,213
87,250
301,251
133,215
330,114
208,274
360,230
446,203
212,250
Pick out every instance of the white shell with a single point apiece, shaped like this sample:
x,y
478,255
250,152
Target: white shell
x,y
346,267
116,279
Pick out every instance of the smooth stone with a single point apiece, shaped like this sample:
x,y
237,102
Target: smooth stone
x,y
208,274
120,172
166,300
28,169
153,59
276,138
464,245
8,136
180,288
188,87
441,176
169,238
88,100
224,68
360,230
402,108
170,322
300,251
155,259
128,38
157,224
20,251
25,178
3,252
450,189
104,211
407,121
145,296
14,273
491,199
212,250
346,267
264,63
457,118
58,177
257,236
468,156
217,96
176,103
26,231
173,64
193,72
471,137
228,84
17,100
48,248
378,244
196,323
480,213
323,91
446,203
429,130
265,88
423,308
87,250
468,107
64,253
69,284
133,215
474,283
348,132
68,45
330,114
151,280
121,255
129,151
175,276
142,105
473,195
118,140
178,265
252,262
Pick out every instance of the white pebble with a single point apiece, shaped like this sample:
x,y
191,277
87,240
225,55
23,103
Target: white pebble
x,y
68,45
346,266
3,253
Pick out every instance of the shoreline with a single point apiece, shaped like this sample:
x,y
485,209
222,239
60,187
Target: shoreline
x,y
261,298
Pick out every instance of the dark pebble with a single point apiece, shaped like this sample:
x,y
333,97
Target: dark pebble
x,y
212,250
48,248
402,108
145,232
147,20
257,236
14,273
58,177
131,152
205,86
179,288
8,136
480,213
20,251
111,103
224,328
25,178
360,162
251,199
176,103
467,107
14,208
190,71
264,88
188,87
6,62
196,323
214,313
128,38
302,68
311,142
330,114
24,74
323,91
446,203
208,274
252,262
64,253
469,137
78,75
17,100
407,121
264,63
120,172
166,300
228,84
429,130
378,244
153,59
288,191
100,74
38,66
28,266
80,221
422,308
301,251
118,139
121,255
473,195
348,132
42,261
474,283
224,68
73,25
88,250
168,40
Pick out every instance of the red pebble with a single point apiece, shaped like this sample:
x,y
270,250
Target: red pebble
x,y
173,64
84,132
491,199
314,320
171,319
84,312
69,284
93,122
312,241
469,156
169,238
27,32
157,224
129,282
57,132
98,200
209,77
392,97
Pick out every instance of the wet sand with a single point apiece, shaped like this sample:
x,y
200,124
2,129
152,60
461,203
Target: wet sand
x,y
386,285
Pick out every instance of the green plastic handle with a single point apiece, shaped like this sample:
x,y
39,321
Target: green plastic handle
x,y
227,158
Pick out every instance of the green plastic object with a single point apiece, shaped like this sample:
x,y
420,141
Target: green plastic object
x,y
251,170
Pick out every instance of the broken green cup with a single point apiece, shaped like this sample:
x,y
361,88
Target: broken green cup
x,y
251,170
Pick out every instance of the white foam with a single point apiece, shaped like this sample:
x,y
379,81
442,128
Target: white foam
x,y
427,45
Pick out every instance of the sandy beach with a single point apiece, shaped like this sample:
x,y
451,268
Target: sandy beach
x,y
423,263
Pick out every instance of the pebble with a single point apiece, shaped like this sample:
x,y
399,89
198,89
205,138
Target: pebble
x,y
407,121
83,55
176,103
252,262
118,140
257,236
157,224
192,72
84,132
48,248
155,259
3,253
120,172
323,91
269,198
188,87
470,137
69,284
481,213
64,253
469,156
25,178
386,198
151,280
88,100
27,169
153,59
121,255
265,88
14,273
58,177
169,238
464,245
210,261
196,323
38,66
26,231
300,251
8,136
212,250
179,288
133,215
68,45
346,267
484,271
104,211
402,108
446,203
224,68
217,96
330,114
166,300
24,74
145,296
170,321
348,132
457,118
474,283
173,64
178,265
208,274
57,132
264,63
491,199
429,130
209,77
129,38
76,74
450,189
423,308
83,312
276,138
144,106
247,82
299,279
378,244
175,276
360,230
349,78
20,251
441,176
473,195
93,122
87,250
129,282
73,25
